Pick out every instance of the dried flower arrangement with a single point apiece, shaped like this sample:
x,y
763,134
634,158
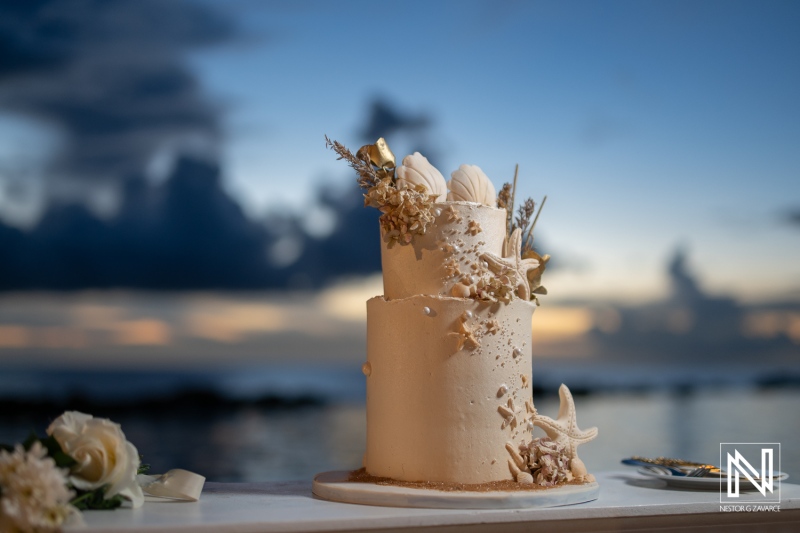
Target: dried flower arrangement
x,y
405,211
407,206
542,461
506,199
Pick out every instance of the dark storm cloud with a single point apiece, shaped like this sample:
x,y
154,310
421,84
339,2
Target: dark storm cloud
x,y
385,120
39,36
109,77
186,233
692,326
353,248
792,217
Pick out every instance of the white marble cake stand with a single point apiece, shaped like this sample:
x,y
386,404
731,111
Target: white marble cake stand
x,y
334,486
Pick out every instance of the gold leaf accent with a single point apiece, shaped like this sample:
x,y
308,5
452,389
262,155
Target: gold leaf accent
x,y
381,155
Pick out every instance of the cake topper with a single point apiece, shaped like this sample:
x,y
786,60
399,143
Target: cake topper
x,y
407,196
405,211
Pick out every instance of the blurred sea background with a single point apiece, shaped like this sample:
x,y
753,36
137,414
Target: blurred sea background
x,y
179,252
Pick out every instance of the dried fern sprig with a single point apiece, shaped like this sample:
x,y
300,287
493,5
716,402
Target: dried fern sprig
x,y
524,214
529,236
368,176
504,197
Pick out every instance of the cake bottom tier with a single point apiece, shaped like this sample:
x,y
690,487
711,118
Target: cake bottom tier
x,y
448,385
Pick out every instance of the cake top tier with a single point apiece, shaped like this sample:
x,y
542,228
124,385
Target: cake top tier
x,y
459,238
463,254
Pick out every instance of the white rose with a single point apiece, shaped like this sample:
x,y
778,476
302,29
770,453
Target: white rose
x,y
103,455
416,170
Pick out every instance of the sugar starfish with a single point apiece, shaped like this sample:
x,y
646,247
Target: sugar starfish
x,y
565,429
513,263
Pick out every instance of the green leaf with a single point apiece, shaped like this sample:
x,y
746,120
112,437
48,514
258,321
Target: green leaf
x,y
95,499
63,460
55,451
52,445
30,441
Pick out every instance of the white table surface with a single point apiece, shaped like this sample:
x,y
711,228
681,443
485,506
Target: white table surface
x,y
627,502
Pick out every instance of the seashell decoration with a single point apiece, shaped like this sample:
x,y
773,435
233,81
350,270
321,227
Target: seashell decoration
x,y
416,170
470,184
524,478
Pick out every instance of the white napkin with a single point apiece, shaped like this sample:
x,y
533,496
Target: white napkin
x,y
177,484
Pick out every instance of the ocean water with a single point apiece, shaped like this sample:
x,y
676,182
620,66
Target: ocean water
x,y
251,442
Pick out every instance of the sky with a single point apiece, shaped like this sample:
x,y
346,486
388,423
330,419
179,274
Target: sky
x,y
647,124
650,126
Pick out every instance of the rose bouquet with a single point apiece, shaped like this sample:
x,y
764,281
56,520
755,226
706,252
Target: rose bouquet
x,y
83,463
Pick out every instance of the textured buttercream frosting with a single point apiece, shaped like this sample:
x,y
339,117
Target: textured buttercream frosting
x,y
439,413
461,232
448,354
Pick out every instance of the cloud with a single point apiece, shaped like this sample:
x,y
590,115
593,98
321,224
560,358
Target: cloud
x,y
352,248
188,233
792,216
110,78
385,120
184,233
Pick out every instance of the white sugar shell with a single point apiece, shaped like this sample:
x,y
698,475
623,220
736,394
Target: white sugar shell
x,y
470,184
524,478
416,170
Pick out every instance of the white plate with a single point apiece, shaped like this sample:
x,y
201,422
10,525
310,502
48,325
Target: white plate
x,y
704,483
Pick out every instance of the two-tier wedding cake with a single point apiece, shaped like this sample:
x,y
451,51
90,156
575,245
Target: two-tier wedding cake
x,y
449,363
